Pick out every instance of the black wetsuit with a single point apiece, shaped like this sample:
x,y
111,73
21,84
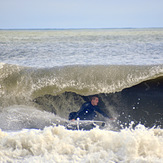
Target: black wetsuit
x,y
88,112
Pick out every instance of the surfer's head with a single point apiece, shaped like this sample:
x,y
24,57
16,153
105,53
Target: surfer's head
x,y
94,100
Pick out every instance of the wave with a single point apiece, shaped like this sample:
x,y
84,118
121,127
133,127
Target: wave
x,y
128,92
83,80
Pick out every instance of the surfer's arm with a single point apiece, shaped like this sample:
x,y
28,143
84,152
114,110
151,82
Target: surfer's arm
x,y
104,114
101,112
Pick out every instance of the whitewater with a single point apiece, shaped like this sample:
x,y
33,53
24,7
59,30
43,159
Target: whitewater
x,y
46,74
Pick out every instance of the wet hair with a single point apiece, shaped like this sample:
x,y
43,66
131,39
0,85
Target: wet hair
x,y
94,97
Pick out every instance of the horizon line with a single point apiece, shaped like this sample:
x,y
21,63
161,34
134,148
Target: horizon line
x,y
79,28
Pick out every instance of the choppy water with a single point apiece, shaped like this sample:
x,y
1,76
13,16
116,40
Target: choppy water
x,y
46,74
71,47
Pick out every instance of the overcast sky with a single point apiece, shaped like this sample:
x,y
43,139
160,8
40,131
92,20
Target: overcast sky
x,y
80,13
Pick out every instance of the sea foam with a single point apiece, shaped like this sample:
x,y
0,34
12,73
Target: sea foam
x,y
56,144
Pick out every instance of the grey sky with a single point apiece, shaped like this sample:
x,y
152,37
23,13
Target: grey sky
x,y
81,13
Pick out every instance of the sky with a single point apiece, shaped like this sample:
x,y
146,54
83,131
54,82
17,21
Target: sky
x,y
34,14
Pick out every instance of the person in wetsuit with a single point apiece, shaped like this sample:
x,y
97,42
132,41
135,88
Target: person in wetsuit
x,y
88,111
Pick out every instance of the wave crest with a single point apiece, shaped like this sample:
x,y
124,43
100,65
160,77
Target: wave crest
x,y
22,83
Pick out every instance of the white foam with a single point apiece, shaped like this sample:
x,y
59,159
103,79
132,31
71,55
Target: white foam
x,y
56,144
1,65
18,117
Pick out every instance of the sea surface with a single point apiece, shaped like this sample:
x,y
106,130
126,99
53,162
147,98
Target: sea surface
x,y
46,74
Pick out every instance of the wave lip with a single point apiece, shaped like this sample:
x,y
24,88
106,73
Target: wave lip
x,y
28,83
87,80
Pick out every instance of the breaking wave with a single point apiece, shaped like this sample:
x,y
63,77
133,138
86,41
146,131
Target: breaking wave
x,y
127,92
84,80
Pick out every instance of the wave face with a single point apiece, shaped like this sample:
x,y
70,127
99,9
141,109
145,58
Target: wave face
x,y
126,92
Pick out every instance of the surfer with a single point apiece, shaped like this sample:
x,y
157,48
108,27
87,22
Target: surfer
x,y
88,110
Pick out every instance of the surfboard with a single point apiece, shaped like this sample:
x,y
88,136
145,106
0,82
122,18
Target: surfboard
x,y
84,124
87,124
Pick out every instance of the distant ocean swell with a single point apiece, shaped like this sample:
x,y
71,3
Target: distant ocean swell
x,y
126,92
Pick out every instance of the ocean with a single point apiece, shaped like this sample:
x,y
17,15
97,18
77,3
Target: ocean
x,y
46,74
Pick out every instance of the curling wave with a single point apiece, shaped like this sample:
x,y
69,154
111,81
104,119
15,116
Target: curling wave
x,y
128,92
84,80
